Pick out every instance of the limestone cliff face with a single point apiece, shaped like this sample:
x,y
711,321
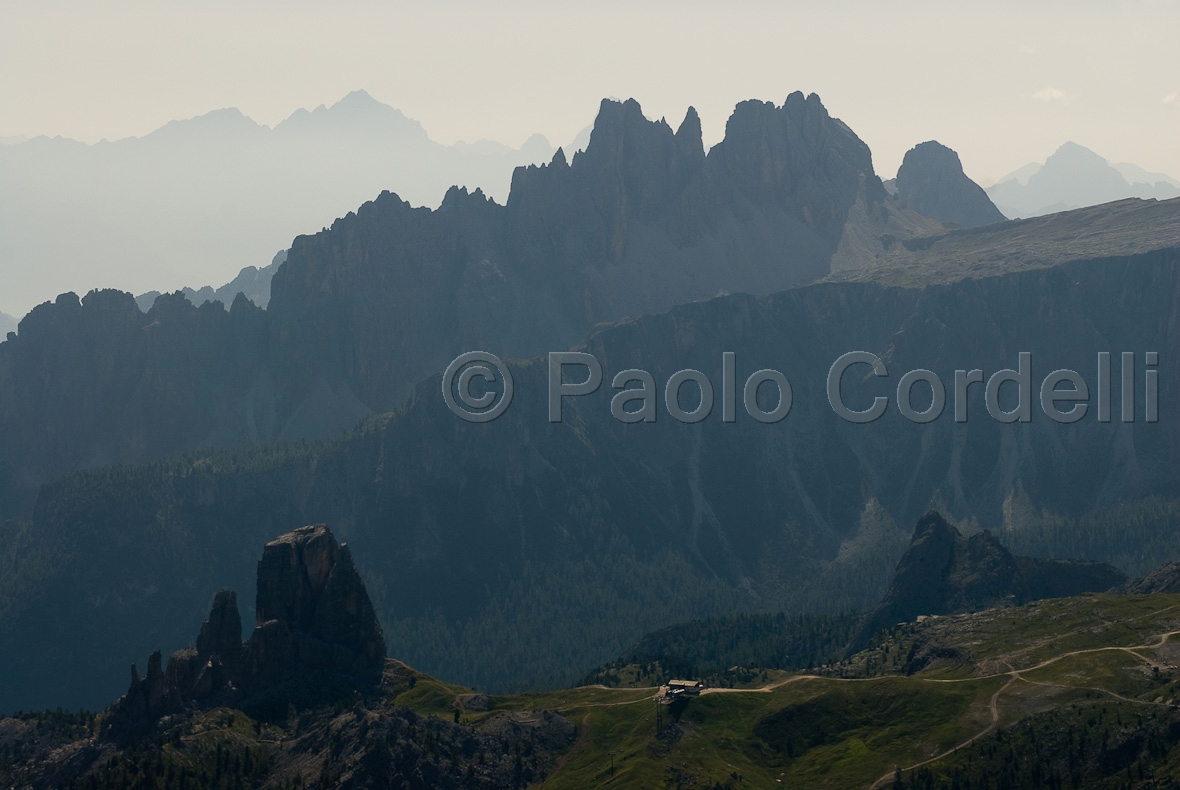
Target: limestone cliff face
x,y
945,572
640,221
456,518
95,381
316,629
221,634
932,182
309,589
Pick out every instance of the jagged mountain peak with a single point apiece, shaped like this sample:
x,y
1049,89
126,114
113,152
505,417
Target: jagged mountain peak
x,y
793,160
932,182
316,627
799,156
621,130
689,138
933,527
455,198
945,572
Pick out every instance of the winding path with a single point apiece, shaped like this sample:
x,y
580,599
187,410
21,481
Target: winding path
x,y
1016,674
1013,675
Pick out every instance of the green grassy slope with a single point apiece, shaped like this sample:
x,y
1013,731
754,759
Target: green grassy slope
x,y
995,678
1077,692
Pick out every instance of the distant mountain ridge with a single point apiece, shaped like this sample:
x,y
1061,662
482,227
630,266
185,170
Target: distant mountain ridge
x,y
1075,177
200,199
251,282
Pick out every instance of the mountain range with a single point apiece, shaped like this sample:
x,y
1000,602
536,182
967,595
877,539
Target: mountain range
x,y
640,221
252,282
1074,177
144,455
200,199
515,554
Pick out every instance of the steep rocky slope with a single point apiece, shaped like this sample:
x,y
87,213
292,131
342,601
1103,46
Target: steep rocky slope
x,y
316,637
640,221
251,281
521,552
1113,230
313,688
931,181
1164,579
946,572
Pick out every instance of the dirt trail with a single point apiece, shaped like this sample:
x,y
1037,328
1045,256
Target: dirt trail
x,y
1016,674
579,745
1013,675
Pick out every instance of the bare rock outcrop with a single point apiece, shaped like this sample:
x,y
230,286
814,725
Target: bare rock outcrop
x,y
1164,579
946,572
313,609
931,181
316,630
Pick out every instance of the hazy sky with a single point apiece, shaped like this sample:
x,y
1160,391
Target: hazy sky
x,y
1002,83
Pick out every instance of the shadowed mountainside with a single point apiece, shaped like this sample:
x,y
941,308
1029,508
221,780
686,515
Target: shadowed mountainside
x,y
640,221
316,652
931,181
1164,579
251,281
946,572
316,636
1125,228
521,552
1075,691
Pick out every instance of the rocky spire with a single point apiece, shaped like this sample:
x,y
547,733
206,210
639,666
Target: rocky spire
x,y
310,592
946,572
688,137
221,634
316,627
